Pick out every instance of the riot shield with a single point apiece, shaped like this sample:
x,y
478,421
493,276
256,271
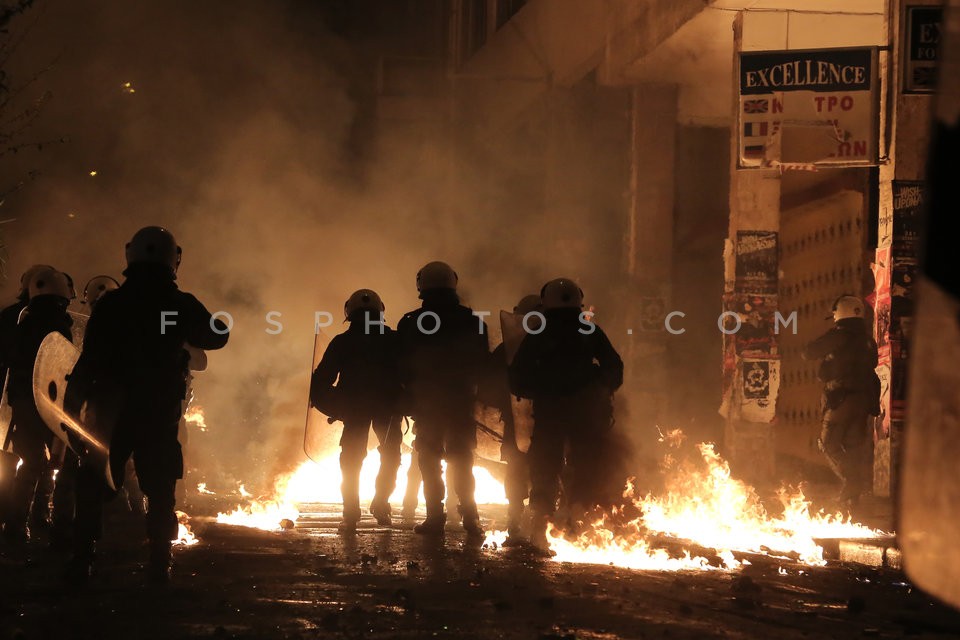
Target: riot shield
x,y
79,327
930,490
489,432
511,325
319,434
6,414
89,435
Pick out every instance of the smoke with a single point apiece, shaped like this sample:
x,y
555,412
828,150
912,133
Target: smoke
x,y
250,132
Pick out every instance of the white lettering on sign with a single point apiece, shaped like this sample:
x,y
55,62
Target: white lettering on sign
x,y
753,243
805,73
908,197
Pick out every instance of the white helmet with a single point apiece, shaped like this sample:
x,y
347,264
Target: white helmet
x,y
527,304
154,245
50,282
28,275
561,293
96,287
436,275
363,299
847,307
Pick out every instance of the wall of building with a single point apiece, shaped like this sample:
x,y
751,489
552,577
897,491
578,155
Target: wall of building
x,y
901,195
701,167
680,195
753,424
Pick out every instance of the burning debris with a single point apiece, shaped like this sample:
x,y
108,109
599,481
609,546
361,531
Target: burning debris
x,y
319,483
703,506
194,416
185,536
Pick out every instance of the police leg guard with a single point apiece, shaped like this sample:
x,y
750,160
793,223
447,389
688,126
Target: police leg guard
x,y
24,488
80,567
538,534
411,496
161,558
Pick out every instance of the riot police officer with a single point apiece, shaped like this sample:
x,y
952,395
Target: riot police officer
x,y
50,292
851,393
570,372
363,363
134,355
444,353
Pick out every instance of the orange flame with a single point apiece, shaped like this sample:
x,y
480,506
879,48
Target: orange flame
x,y
319,482
185,536
705,505
194,416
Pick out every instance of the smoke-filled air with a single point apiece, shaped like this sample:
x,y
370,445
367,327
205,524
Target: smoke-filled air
x,y
247,128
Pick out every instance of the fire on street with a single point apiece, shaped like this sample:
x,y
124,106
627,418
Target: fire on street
x,y
246,583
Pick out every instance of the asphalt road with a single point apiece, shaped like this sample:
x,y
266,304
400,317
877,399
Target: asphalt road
x,y
391,583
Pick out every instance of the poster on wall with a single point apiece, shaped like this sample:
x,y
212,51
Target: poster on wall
x,y
757,262
898,385
881,301
808,108
909,197
760,386
883,424
922,53
904,275
652,313
750,320
728,375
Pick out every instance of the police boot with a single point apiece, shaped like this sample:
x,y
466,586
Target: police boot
x,y
80,567
350,490
15,530
40,510
16,533
380,509
61,535
410,505
433,525
515,535
161,559
348,525
471,520
538,535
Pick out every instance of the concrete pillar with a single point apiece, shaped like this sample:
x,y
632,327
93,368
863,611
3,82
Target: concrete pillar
x,y
754,216
648,258
906,120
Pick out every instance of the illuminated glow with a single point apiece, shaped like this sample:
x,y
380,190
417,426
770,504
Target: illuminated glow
x,y
319,482
265,515
93,174
185,537
602,546
202,489
705,506
494,539
194,416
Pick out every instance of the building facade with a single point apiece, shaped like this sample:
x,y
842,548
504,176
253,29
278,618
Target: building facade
x,y
745,158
